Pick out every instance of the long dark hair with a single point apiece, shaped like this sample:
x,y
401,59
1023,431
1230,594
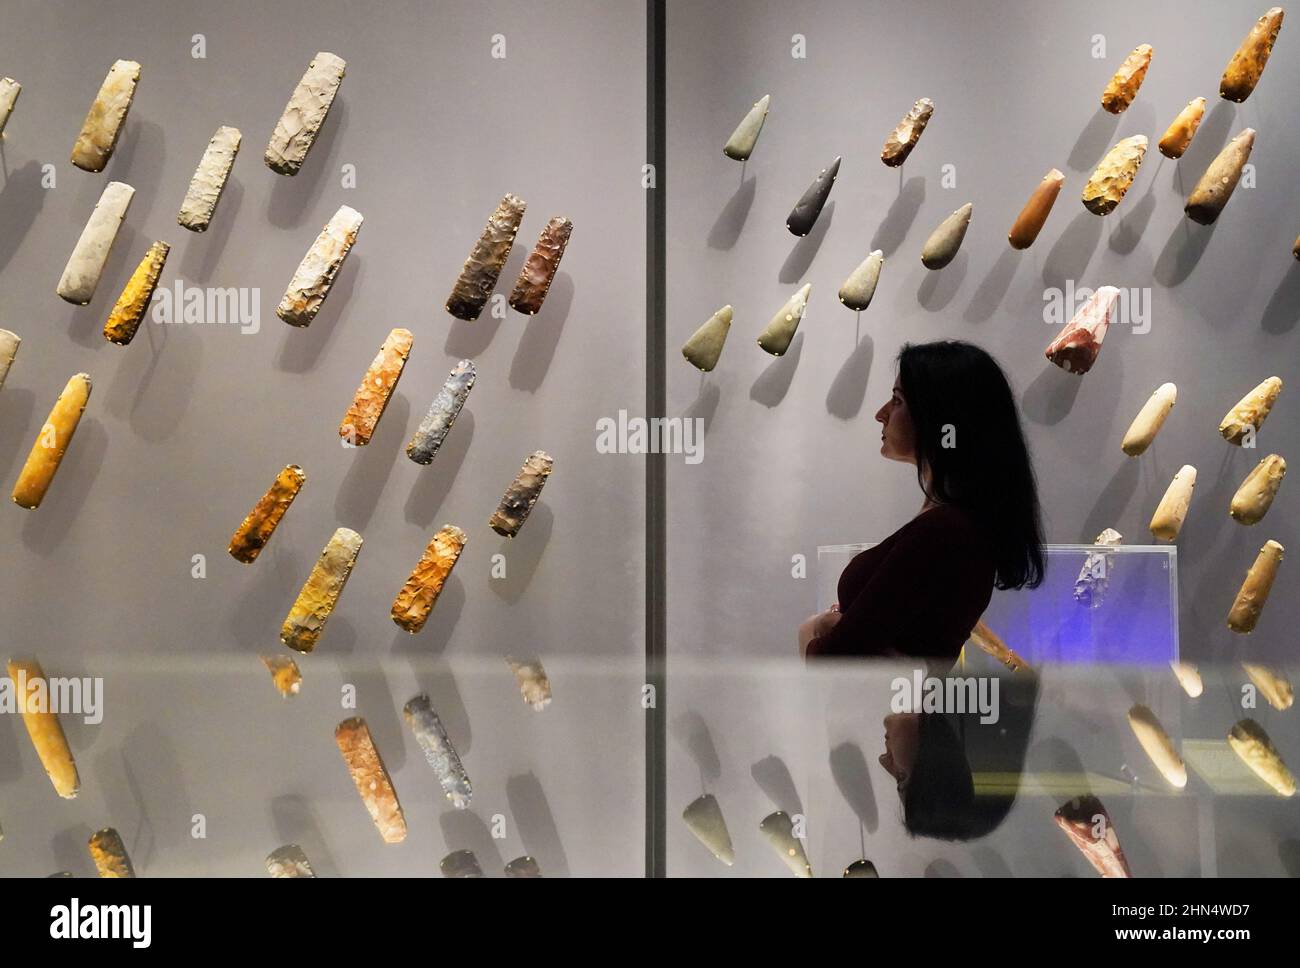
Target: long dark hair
x,y
968,436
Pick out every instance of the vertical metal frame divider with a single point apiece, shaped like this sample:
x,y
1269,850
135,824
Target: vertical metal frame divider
x,y
656,555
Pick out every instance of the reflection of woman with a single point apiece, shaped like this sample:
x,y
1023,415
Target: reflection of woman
x,y
928,762
921,590
933,758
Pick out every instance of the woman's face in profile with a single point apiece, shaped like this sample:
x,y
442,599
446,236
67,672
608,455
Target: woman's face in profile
x,y
902,743
896,437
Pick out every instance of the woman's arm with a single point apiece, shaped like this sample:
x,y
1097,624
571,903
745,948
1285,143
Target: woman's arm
x,y
817,625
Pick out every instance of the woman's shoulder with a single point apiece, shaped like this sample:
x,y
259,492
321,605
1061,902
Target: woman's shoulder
x,y
946,522
952,545
943,516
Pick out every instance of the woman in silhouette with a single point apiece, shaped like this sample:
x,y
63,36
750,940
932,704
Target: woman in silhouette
x,y
920,591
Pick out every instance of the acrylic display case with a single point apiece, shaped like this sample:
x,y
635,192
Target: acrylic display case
x,y
1112,605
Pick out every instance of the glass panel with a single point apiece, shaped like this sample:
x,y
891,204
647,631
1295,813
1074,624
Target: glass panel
x,y
792,461
777,735
184,736
122,573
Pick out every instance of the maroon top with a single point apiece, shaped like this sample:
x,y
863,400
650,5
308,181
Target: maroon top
x,y
919,592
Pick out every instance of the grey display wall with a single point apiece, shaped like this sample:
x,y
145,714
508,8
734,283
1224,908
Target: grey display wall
x,y
791,456
189,425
